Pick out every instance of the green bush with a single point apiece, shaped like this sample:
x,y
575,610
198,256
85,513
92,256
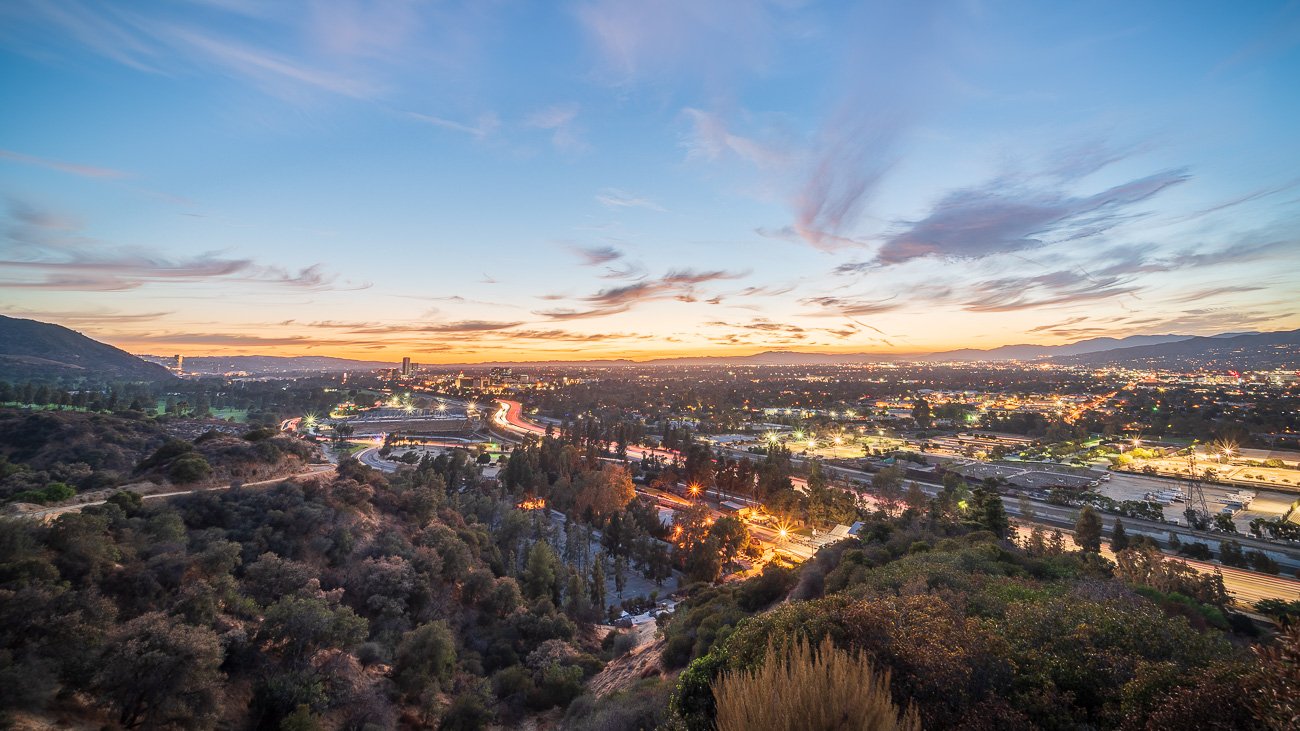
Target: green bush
x,y
188,469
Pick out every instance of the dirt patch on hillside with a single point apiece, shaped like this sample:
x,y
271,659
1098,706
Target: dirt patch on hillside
x,y
644,661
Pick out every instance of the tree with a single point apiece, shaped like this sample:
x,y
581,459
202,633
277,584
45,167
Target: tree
x,y
1087,530
620,574
1118,538
921,413
731,535
598,582
542,573
1230,554
426,657
302,625
1224,523
157,672
888,484
1036,541
987,511
605,492
1055,543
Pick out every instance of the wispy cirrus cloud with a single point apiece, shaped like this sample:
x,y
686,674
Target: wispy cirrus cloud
x,y
637,41
852,307
1001,217
615,198
561,121
840,166
1064,287
596,255
484,126
349,48
85,171
614,260
711,138
679,284
47,250
1130,259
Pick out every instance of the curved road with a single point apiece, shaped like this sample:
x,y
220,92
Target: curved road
x,y
510,415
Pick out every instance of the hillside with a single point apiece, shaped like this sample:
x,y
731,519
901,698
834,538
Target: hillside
x,y
38,351
1251,351
90,453
1030,352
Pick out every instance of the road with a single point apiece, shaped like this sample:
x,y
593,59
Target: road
x,y
510,415
1245,586
311,471
370,458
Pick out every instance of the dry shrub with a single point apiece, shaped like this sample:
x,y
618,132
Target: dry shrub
x,y
819,690
1276,697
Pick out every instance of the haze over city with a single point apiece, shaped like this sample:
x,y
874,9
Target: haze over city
x,y
485,181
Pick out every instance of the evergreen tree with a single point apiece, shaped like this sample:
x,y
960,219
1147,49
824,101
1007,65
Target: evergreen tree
x,y
1056,543
620,574
1118,538
598,582
1087,530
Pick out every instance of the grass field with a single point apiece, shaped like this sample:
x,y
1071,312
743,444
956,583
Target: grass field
x,y
239,416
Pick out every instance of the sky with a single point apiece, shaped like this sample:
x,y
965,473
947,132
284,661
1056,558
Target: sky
x,y
465,182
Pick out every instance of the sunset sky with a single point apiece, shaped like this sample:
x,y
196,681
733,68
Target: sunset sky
x,y
476,181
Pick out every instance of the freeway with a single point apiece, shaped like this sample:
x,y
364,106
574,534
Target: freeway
x,y
510,415
1245,586
1061,516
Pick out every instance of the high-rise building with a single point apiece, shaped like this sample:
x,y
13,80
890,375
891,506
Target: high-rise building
x,y
178,364
406,366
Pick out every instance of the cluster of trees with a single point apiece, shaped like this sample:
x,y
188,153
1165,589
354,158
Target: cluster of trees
x,y
112,397
86,451
264,402
975,632
47,456
1201,414
364,602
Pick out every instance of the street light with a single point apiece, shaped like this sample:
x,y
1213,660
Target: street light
x,y
694,489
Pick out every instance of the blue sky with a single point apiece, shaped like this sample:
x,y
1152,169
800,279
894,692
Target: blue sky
x,y
464,182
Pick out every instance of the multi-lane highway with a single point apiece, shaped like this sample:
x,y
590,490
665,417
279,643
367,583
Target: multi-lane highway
x,y
510,415
1245,586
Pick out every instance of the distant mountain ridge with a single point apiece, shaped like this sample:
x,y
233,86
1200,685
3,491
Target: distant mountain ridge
x,y
1229,351
1030,352
39,351
31,350
218,364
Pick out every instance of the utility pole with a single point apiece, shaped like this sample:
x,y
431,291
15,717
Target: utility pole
x,y
1198,513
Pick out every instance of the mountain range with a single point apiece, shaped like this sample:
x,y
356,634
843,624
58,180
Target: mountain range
x,y
31,350
1249,351
38,351
270,364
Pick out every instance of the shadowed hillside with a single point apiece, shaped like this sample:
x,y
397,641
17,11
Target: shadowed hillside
x,y
38,351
